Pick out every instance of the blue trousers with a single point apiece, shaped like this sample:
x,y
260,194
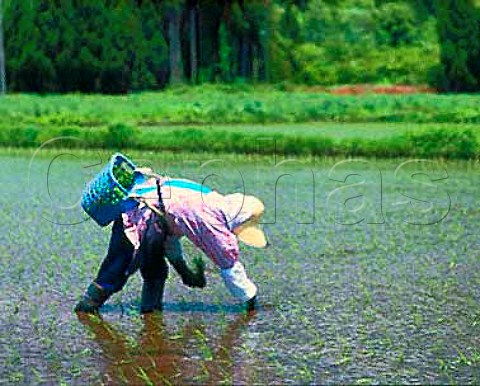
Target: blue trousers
x,y
117,265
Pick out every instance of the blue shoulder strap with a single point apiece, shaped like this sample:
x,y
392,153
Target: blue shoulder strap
x,y
175,183
187,185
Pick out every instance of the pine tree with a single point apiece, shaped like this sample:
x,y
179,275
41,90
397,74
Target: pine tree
x,y
173,13
458,24
3,78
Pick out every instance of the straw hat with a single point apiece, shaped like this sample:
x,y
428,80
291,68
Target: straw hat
x,y
249,231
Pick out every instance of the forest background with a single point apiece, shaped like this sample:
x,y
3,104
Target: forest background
x,y
121,46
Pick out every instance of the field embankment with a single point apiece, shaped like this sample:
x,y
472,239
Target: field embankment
x,y
233,119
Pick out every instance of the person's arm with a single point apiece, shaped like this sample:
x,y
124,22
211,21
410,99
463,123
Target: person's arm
x,y
174,255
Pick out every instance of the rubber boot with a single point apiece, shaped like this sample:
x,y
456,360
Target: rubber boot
x,y
251,305
152,296
191,278
92,300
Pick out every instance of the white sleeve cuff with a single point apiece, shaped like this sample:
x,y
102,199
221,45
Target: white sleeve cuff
x,y
237,282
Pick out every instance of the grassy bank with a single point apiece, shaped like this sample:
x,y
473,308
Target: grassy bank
x,y
249,120
454,142
210,104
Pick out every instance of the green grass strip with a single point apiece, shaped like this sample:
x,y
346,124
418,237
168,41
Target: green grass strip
x,y
450,143
220,104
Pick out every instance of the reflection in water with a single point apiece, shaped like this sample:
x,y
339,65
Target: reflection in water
x,y
159,357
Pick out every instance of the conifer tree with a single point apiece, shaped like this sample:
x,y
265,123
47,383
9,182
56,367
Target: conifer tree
x,y
458,24
3,78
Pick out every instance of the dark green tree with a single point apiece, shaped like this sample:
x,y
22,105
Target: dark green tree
x,y
88,46
3,78
173,13
395,24
458,24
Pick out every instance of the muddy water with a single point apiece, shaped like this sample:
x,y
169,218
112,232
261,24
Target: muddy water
x,y
353,290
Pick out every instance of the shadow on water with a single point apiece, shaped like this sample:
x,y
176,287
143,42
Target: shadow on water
x,y
127,307
134,307
161,356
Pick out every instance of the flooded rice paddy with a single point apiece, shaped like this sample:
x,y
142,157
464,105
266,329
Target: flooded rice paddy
x,y
373,277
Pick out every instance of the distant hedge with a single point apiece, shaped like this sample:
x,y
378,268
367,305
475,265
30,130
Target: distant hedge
x,y
433,143
219,104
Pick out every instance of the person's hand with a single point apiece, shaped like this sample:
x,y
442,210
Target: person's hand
x,y
198,279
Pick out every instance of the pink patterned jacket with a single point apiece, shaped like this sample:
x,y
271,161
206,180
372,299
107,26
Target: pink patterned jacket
x,y
205,218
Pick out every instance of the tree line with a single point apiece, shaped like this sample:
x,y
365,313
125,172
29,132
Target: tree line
x,y
119,46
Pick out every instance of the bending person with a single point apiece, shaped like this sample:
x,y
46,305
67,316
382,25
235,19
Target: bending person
x,y
169,210
211,221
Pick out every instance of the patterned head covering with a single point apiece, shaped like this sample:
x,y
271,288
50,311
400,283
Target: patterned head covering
x,y
245,223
